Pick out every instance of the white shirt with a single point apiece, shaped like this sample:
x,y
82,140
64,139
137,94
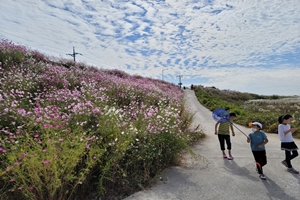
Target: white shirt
x,y
282,128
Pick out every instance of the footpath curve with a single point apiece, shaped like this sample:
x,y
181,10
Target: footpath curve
x,y
211,177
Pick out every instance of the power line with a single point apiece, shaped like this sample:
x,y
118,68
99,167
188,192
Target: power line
x,y
73,54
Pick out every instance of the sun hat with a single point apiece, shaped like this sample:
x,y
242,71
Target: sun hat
x,y
256,123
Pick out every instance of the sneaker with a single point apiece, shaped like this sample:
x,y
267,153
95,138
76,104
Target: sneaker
x,y
284,163
224,156
230,157
292,170
262,177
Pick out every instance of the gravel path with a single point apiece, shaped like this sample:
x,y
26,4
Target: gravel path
x,y
210,177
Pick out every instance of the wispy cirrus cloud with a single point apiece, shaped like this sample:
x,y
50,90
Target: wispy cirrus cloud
x,y
215,43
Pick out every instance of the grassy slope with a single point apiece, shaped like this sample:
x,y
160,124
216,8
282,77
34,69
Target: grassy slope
x,y
251,107
70,130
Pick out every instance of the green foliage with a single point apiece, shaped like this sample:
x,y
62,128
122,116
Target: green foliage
x,y
11,58
49,166
251,107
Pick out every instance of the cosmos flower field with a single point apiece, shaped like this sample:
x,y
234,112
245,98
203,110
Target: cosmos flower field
x,y
72,131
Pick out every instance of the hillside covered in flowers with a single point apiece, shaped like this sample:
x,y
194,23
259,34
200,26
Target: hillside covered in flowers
x,y
72,131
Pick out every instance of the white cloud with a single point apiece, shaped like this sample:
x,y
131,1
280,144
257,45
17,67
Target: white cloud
x,y
209,43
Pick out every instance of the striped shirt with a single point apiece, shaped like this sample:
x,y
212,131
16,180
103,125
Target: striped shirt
x,y
224,128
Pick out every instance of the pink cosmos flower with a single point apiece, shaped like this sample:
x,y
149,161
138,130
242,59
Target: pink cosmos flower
x,y
45,162
9,168
2,150
21,111
16,163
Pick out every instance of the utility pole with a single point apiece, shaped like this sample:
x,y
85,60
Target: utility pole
x,y
179,76
73,54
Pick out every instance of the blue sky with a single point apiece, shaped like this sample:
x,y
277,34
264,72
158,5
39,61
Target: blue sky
x,y
242,45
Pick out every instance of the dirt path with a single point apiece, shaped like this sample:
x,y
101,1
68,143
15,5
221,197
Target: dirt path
x,y
211,177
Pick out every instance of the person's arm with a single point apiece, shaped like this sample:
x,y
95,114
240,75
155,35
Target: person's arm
x,y
280,131
232,130
264,143
248,139
284,133
216,128
292,130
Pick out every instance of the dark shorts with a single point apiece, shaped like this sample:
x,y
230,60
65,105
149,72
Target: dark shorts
x,y
222,140
289,146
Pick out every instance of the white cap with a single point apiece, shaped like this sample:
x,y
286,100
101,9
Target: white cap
x,y
257,124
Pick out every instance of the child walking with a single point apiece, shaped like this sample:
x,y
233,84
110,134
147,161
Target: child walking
x,y
287,142
258,140
223,132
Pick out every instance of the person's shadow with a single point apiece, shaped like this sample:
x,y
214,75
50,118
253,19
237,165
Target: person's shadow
x,y
232,167
275,191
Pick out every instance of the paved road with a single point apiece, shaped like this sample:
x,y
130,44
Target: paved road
x,y
210,177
